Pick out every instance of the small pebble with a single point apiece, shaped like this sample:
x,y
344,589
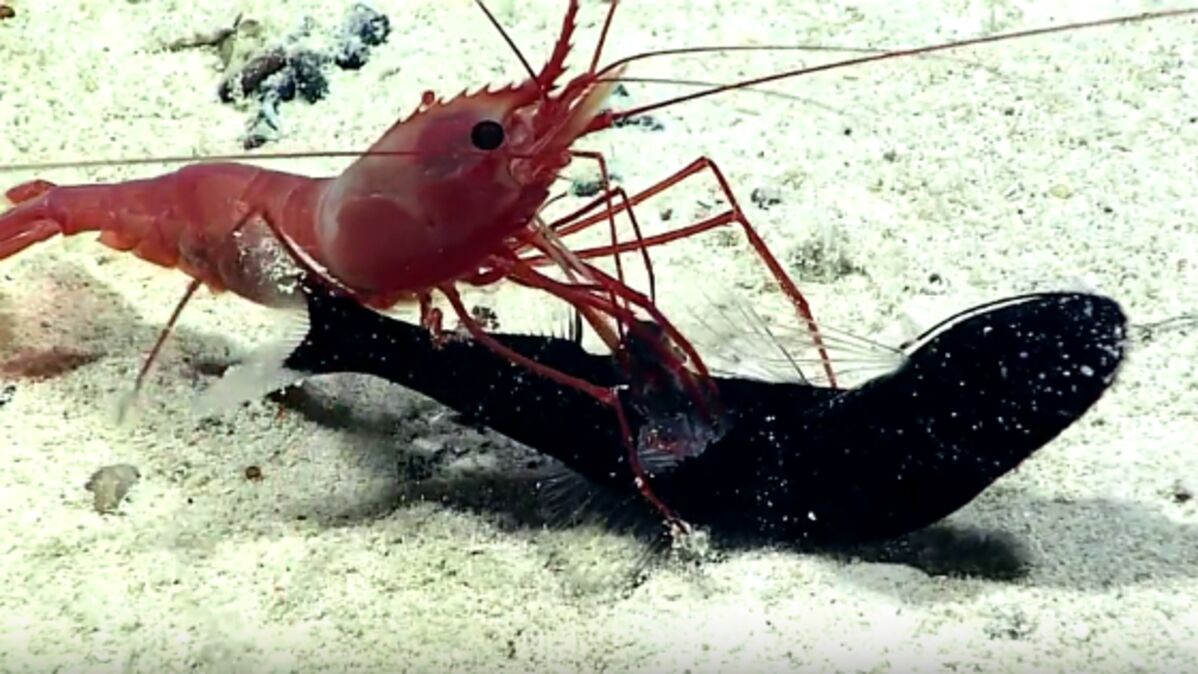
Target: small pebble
x,y
486,317
223,38
585,188
264,127
765,197
248,80
282,85
110,484
590,188
253,473
364,28
7,12
646,121
1182,492
310,82
1060,191
369,26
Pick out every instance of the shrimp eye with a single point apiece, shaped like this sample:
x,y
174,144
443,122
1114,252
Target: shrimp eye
x,y
487,135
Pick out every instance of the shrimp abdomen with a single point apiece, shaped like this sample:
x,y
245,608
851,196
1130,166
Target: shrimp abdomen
x,y
185,219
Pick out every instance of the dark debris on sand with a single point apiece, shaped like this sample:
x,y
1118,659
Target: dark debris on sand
x,y
281,73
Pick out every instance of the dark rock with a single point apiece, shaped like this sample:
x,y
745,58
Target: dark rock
x,y
310,82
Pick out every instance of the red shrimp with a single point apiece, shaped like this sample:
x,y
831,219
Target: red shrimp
x,y
450,194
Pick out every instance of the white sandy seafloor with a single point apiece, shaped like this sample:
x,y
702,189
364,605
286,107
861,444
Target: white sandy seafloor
x,y
1059,162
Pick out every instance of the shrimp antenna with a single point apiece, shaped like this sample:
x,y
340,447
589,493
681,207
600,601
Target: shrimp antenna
x,y
897,53
511,43
611,12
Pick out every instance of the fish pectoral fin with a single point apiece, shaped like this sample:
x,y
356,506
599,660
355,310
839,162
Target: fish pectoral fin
x,y
262,372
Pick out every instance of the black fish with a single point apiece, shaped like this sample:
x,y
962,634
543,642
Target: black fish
x,y
797,462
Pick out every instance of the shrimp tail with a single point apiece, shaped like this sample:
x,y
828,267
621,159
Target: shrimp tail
x,y
189,219
22,232
21,228
28,190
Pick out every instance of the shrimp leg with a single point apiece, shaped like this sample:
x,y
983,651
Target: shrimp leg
x,y
605,396
571,223
192,287
586,298
524,274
